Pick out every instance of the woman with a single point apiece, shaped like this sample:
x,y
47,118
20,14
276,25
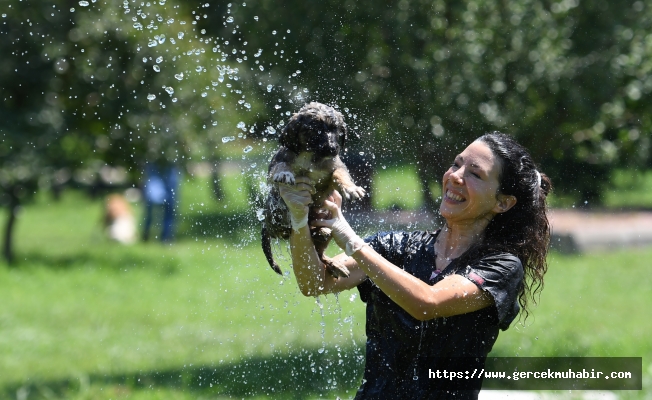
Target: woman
x,y
436,300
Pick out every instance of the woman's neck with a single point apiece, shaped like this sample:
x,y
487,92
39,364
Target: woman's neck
x,y
455,239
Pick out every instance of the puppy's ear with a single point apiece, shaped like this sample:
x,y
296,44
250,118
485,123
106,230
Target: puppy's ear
x,y
289,134
344,136
283,137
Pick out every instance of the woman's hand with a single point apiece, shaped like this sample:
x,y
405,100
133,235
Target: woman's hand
x,y
298,197
342,232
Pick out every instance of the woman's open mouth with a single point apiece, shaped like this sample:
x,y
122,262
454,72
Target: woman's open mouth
x,y
454,197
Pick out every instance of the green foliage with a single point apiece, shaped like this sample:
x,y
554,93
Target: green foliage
x,y
420,79
417,80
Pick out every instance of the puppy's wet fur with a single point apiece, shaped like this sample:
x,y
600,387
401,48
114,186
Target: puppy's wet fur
x,y
310,146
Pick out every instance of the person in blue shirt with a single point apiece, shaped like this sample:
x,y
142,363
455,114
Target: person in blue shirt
x,y
436,300
160,191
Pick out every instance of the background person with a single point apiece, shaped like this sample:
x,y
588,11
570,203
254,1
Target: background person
x,y
437,297
160,191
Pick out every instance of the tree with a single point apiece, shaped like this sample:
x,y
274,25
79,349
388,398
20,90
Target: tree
x,y
425,77
114,82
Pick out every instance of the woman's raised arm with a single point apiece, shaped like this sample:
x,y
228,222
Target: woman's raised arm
x,y
453,295
309,270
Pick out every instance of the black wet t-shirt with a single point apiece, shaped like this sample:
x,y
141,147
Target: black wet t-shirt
x,y
404,353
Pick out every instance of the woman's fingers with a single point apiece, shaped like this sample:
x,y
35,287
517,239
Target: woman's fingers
x,y
331,206
336,197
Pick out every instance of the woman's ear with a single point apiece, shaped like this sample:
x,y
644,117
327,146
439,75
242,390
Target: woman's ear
x,y
503,203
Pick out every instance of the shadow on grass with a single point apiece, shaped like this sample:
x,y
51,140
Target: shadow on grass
x,y
131,258
295,375
233,227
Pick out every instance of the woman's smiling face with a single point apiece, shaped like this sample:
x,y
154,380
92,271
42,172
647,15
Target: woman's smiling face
x,y
470,187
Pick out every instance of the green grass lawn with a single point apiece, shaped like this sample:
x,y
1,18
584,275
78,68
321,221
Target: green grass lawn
x,y
205,317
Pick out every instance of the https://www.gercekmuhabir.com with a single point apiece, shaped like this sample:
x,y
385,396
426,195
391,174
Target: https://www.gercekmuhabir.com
x,y
574,373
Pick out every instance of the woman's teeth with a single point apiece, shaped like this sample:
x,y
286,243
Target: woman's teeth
x,y
453,196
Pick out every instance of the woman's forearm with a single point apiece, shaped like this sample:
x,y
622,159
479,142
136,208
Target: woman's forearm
x,y
452,296
308,268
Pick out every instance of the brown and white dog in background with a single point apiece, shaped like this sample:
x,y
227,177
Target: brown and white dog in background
x,y
119,221
310,147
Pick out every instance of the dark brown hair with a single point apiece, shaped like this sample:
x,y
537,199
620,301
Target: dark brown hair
x,y
524,229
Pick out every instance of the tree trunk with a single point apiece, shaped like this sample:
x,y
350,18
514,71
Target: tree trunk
x,y
9,229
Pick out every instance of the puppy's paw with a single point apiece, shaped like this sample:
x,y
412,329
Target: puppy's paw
x,y
336,269
286,177
354,192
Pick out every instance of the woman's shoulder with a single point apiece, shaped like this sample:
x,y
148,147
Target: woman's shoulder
x,y
504,263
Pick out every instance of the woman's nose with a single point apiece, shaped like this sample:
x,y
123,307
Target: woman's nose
x,y
457,176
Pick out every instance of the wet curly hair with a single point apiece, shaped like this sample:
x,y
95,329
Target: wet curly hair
x,y
523,230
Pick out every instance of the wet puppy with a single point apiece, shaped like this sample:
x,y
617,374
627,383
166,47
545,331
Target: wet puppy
x,y
310,147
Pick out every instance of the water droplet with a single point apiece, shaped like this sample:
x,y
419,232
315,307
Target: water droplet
x,y
144,59
180,35
72,9
258,53
276,107
156,68
151,97
260,214
161,39
199,68
229,20
321,350
227,139
269,88
170,90
83,3
247,105
179,76
4,15
270,129
152,43
161,2
174,100
241,125
256,18
247,149
159,59
137,25
261,68
273,32
204,94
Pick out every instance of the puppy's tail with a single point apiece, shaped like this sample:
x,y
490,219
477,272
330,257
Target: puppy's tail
x,y
267,250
